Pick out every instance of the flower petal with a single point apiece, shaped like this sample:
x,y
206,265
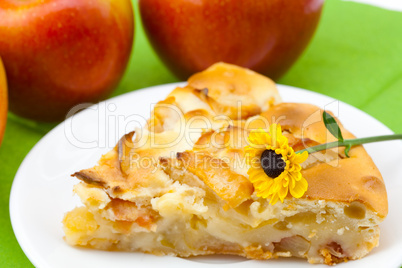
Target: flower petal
x,y
300,158
292,182
296,176
273,133
283,192
279,131
274,199
285,182
265,191
299,189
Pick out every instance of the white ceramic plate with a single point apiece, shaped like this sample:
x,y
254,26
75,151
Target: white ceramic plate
x,y
42,188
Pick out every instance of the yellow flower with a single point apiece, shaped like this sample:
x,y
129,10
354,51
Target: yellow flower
x,y
274,166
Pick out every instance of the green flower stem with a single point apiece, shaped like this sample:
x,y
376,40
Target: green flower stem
x,y
349,143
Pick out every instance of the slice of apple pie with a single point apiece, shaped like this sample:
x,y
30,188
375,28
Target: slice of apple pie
x,y
189,183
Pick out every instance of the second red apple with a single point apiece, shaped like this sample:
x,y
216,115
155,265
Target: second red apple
x,y
266,36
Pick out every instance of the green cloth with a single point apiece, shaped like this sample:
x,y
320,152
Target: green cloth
x,y
355,56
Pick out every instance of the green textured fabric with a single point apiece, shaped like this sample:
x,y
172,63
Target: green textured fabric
x,y
355,56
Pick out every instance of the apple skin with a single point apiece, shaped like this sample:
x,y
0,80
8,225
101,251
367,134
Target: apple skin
x,y
266,36
3,101
59,53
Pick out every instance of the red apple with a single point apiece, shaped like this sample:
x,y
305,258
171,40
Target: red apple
x,y
59,53
266,35
3,101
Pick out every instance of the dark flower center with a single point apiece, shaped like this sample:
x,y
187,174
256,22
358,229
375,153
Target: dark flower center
x,y
272,163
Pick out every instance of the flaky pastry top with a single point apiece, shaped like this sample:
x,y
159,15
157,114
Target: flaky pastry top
x,y
201,129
